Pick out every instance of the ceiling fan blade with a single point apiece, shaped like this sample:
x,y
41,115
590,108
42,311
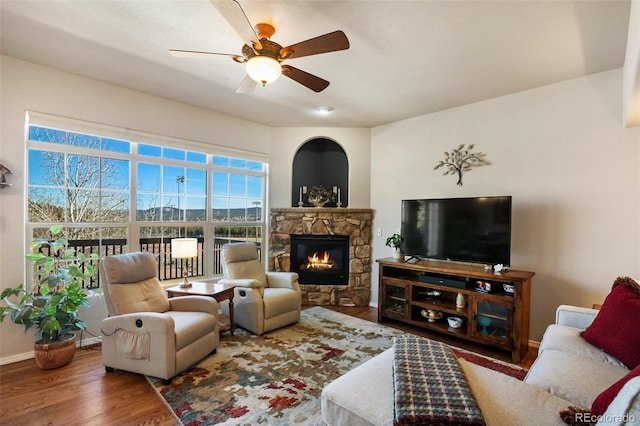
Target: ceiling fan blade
x,y
197,54
330,42
311,81
247,85
235,16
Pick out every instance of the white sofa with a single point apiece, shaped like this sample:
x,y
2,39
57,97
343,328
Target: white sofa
x,y
567,372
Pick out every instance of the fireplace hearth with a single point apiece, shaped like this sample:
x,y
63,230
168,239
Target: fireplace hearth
x,y
320,259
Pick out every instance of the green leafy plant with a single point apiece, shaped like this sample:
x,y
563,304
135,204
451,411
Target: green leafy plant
x,y
53,309
395,241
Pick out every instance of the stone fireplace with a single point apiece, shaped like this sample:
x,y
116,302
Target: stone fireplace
x,y
331,225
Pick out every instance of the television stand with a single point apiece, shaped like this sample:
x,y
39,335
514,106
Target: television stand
x,y
492,315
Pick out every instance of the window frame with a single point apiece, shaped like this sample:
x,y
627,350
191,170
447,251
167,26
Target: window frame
x,y
133,225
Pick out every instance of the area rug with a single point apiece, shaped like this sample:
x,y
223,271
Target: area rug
x,y
491,363
276,378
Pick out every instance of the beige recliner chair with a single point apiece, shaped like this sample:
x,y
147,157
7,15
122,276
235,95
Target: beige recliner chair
x,y
262,301
146,332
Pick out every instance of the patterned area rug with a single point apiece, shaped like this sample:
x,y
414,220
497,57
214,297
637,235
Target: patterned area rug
x,y
276,378
491,363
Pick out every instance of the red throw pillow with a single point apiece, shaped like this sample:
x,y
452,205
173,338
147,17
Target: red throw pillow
x,y
615,328
601,403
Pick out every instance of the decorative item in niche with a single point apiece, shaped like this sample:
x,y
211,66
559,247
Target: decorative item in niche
x,y
319,195
461,160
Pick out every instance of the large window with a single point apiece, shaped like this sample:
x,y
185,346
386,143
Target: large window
x,y
115,191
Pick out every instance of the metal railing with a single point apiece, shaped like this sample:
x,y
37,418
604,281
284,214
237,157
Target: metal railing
x,y
168,268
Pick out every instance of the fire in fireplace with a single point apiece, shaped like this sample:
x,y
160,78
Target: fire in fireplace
x,y
318,263
320,259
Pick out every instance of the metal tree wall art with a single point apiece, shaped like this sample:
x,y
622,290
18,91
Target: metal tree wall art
x,y
461,160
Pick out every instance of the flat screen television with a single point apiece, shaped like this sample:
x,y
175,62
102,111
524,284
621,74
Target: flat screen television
x,y
476,230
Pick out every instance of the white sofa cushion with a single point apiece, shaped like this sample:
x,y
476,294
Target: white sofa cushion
x,y
572,377
508,401
345,401
568,339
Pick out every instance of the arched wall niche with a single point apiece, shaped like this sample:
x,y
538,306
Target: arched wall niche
x,y
320,161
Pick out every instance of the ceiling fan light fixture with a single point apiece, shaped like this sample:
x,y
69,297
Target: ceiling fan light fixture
x,y
264,69
324,110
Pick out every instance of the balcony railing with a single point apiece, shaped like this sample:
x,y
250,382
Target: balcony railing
x,y
168,268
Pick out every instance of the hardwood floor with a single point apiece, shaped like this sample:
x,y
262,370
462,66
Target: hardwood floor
x,y
83,394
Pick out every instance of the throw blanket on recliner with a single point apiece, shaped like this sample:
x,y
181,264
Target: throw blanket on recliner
x,y
429,385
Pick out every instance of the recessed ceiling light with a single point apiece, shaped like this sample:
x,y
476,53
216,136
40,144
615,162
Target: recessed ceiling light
x,y
324,110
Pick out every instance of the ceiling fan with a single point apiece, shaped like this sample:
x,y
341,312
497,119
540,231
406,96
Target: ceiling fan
x,y
263,57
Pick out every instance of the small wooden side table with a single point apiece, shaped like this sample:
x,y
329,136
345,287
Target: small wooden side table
x,y
220,292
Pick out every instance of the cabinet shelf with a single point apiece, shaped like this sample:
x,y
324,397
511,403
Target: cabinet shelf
x,y
443,307
493,316
495,319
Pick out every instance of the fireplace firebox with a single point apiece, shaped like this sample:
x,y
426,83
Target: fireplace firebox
x,y
320,259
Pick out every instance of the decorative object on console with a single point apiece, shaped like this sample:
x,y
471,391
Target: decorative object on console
x,y
615,328
509,288
431,315
461,160
483,286
484,322
319,195
395,241
499,268
460,301
184,248
455,322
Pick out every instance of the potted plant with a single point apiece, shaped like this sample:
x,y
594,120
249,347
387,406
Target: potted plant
x,y
395,241
53,308
319,195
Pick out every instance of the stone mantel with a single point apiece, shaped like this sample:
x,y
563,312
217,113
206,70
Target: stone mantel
x,y
355,222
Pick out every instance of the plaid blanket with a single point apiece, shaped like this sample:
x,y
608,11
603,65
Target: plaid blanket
x,y
429,385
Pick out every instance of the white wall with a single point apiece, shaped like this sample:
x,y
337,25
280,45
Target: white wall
x,y
631,70
356,143
25,86
561,152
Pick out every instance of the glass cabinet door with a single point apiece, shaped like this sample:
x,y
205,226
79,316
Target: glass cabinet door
x,y
395,300
492,320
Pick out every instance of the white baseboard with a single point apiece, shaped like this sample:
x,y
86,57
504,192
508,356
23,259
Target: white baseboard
x,y
29,355
89,341
16,358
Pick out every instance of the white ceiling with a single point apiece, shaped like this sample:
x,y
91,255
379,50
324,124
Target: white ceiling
x,y
407,58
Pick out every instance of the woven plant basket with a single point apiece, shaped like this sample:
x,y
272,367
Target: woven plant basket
x,y
55,355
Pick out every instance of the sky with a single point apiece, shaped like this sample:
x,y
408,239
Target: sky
x,y
173,185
